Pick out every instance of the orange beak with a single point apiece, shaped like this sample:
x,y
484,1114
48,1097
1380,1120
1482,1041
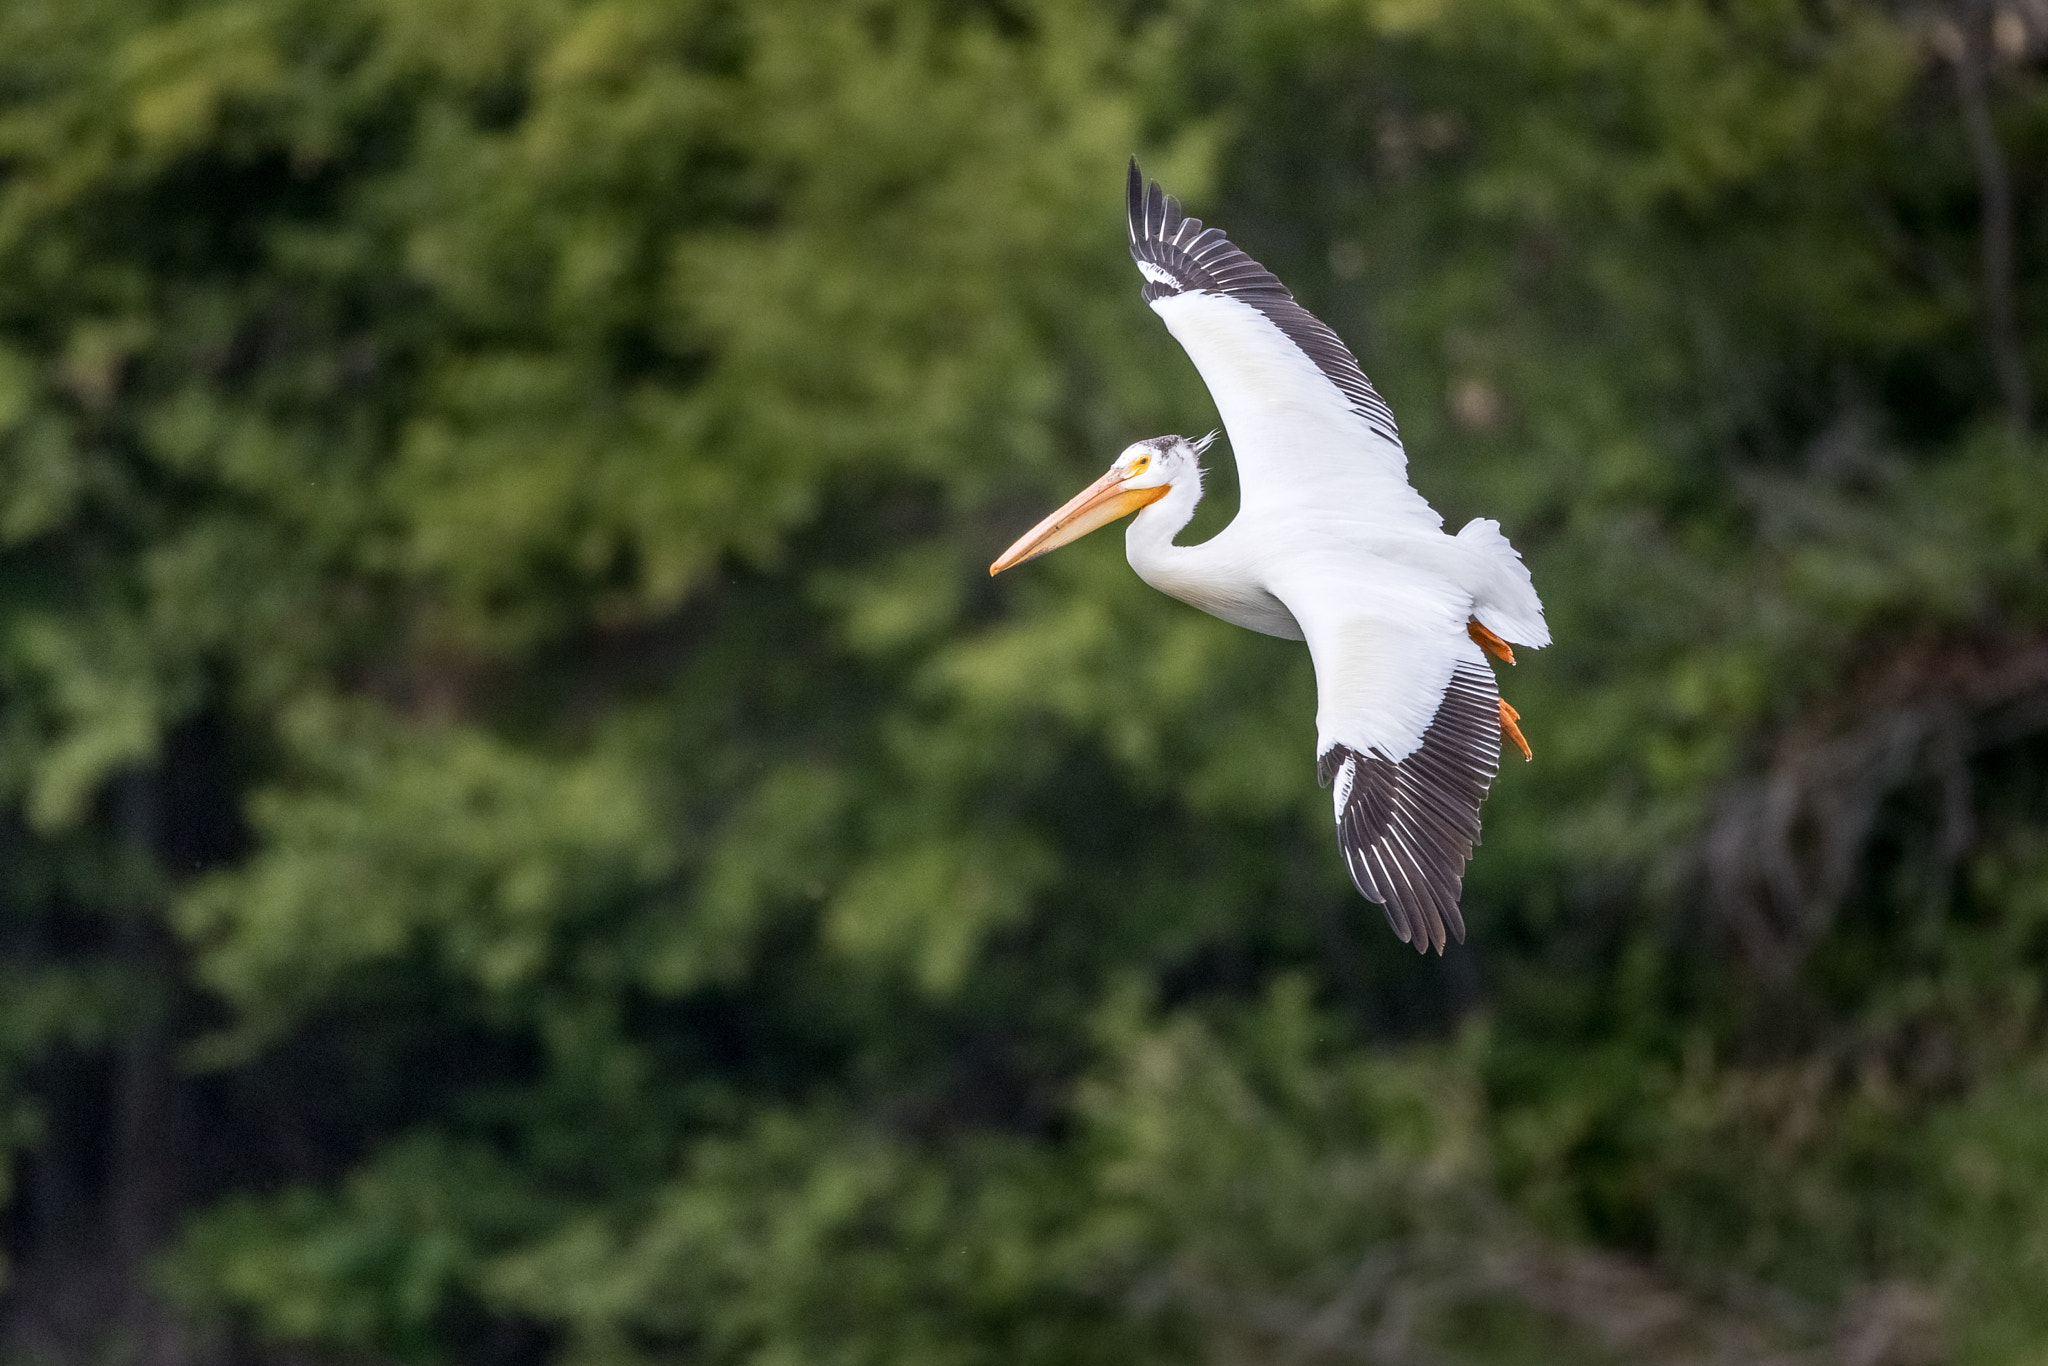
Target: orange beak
x,y
1101,503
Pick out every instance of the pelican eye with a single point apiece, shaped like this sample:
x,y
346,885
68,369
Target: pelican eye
x,y
1138,466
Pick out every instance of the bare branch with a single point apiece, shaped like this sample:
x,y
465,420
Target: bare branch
x,y
1970,52
1784,850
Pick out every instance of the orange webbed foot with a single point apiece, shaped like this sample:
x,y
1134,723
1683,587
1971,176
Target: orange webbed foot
x,y
1508,717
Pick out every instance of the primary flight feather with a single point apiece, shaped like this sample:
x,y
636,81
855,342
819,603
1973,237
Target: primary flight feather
x,y
1333,546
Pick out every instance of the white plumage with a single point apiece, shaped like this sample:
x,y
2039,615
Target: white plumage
x,y
1333,546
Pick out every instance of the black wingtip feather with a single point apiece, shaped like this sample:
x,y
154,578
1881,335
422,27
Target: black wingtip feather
x,y
1409,826
1210,262
1134,199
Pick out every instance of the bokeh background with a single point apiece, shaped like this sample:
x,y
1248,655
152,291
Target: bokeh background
x,y
528,836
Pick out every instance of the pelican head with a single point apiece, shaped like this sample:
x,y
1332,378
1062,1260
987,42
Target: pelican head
x,y
1146,472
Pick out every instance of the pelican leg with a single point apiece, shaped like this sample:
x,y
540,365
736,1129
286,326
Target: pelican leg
x,y
1489,642
1508,717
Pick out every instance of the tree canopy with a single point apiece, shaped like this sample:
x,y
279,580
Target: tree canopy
x,y
530,836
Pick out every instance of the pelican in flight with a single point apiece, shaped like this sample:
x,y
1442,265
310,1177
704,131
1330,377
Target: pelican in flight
x,y
1332,546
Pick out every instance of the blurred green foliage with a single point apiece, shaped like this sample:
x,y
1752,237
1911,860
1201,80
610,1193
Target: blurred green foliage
x,y
530,836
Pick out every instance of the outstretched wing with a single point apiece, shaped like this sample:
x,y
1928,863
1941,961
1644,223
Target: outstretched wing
x,y
1305,424
1407,733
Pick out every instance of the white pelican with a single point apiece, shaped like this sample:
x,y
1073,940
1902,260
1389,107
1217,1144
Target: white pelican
x,y
1332,546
